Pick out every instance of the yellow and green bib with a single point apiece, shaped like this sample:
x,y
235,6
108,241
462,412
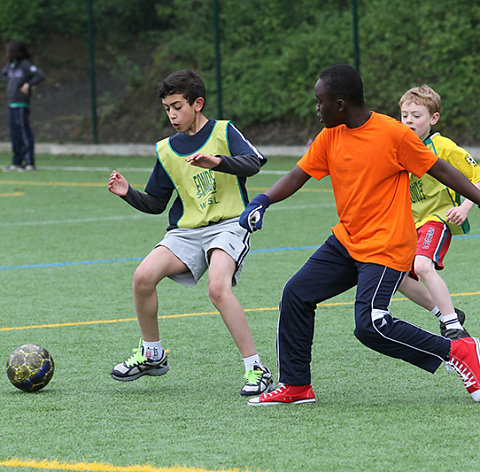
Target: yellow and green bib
x,y
430,198
207,196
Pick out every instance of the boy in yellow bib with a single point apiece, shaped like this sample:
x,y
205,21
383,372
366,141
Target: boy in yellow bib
x,y
437,211
206,164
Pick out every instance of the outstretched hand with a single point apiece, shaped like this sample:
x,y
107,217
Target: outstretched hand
x,y
118,184
203,160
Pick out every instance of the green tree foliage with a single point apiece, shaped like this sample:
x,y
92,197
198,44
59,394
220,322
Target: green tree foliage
x,y
33,20
406,43
273,50
271,53
19,19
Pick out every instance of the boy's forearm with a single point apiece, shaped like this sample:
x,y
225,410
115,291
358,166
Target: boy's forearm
x,y
144,202
468,204
243,166
454,179
287,185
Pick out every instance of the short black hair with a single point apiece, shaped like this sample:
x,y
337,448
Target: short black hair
x,y
17,50
186,82
343,81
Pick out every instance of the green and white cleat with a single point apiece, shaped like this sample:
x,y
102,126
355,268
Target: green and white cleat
x,y
138,365
257,380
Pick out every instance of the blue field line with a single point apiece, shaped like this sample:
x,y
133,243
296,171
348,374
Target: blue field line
x,y
128,259
62,264
278,249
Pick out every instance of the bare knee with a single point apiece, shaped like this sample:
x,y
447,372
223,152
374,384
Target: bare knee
x,y
217,291
143,281
424,267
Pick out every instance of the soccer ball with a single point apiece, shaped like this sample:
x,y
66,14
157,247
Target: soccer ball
x,y
30,367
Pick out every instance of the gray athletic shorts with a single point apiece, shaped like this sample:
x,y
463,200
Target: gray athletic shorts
x,y
193,245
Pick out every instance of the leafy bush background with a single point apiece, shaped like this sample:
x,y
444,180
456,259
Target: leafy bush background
x,y
272,52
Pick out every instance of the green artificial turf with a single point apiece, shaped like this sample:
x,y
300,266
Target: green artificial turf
x,y
68,252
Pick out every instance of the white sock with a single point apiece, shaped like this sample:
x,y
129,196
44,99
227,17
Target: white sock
x,y
451,321
436,312
251,361
152,350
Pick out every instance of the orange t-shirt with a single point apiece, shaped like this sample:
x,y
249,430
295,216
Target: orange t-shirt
x,y
369,169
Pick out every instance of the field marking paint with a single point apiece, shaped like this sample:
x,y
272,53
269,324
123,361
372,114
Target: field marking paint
x,y
76,220
309,190
73,263
143,215
104,184
53,184
129,169
129,259
96,169
98,467
12,194
121,320
188,315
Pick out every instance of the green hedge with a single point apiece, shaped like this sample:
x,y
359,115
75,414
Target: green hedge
x,y
273,50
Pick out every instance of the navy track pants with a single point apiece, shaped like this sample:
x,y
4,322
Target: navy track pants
x,y
329,272
21,136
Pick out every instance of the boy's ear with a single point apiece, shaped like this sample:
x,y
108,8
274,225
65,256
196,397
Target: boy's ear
x,y
198,104
340,104
435,118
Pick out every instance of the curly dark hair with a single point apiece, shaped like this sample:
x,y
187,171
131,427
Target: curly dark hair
x,y
186,82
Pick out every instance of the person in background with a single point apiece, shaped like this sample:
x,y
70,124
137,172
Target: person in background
x,y
21,75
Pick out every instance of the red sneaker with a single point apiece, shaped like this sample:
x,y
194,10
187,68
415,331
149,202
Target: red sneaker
x,y
286,394
465,359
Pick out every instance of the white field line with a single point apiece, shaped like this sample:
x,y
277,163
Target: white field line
x,y
74,220
129,169
142,215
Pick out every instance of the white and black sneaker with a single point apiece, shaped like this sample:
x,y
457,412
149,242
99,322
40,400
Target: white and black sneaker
x,y
257,380
454,334
138,365
13,167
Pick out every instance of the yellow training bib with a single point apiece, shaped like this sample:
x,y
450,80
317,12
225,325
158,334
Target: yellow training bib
x,y
207,196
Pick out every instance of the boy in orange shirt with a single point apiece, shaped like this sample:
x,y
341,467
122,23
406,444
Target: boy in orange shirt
x,y
368,157
437,212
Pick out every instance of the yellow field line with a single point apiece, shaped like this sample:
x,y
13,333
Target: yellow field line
x,y
314,190
99,467
119,320
54,184
185,315
12,194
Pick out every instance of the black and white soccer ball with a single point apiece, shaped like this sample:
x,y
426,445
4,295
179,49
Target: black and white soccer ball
x,y
30,367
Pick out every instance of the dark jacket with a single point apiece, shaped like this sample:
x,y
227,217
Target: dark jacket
x,y
15,74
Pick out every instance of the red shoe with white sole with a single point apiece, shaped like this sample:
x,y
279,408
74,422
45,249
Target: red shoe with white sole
x,y
465,359
285,395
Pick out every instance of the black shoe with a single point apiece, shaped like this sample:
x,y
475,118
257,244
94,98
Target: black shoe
x,y
461,319
455,334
